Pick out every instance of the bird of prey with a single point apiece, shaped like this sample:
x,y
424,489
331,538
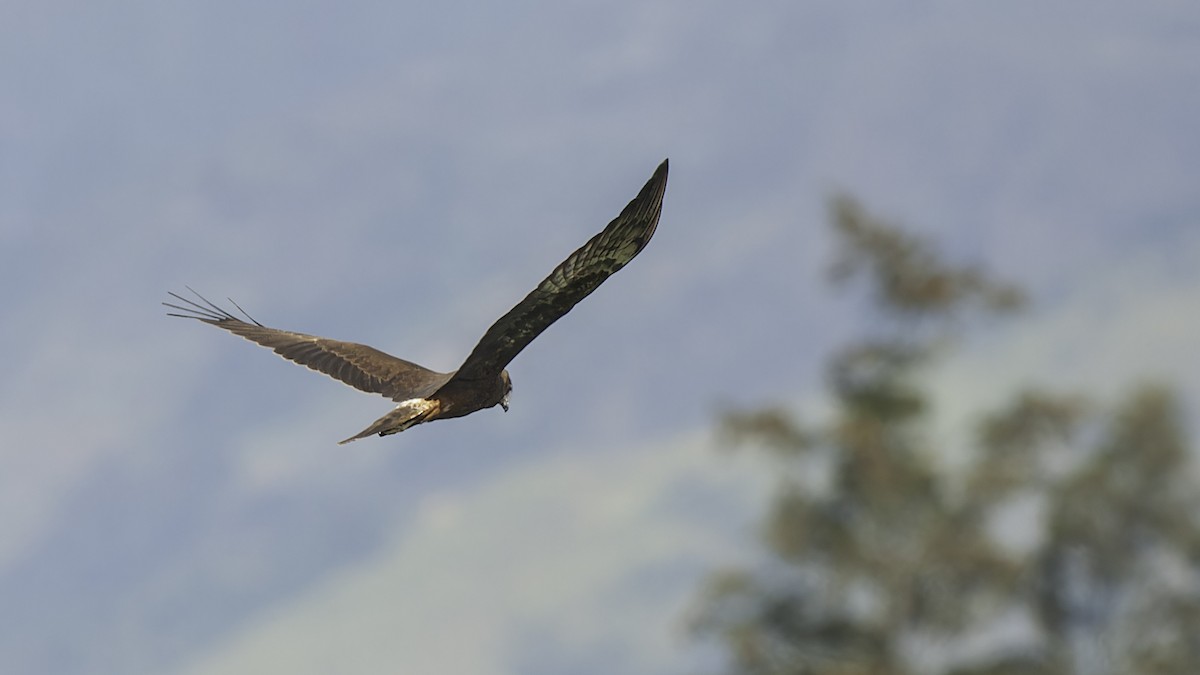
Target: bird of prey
x,y
424,395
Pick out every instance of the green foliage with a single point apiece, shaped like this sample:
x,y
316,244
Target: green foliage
x,y
908,277
882,562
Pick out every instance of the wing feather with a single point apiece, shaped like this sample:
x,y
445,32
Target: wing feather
x,y
362,367
572,281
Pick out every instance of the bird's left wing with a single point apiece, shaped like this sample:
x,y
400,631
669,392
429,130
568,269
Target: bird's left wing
x,y
573,280
362,367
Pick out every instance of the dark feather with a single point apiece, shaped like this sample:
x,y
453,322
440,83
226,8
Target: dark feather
x,y
573,280
362,367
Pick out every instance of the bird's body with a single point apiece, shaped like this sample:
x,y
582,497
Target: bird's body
x,y
481,382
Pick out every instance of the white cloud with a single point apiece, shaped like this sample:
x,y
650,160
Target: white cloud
x,y
554,552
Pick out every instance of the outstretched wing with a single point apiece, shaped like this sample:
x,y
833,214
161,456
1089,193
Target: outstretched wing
x,y
359,366
580,274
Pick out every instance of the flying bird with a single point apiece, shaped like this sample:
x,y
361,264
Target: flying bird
x,y
423,395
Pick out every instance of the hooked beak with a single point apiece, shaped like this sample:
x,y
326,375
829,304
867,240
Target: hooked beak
x,y
504,403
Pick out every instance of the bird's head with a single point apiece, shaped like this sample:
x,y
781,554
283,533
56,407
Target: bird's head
x,y
505,389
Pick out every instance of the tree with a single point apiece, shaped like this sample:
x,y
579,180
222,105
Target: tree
x,y
1069,545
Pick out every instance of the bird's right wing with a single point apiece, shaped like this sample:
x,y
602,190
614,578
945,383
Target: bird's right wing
x,y
359,366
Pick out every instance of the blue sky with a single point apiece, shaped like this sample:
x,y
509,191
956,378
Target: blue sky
x,y
171,498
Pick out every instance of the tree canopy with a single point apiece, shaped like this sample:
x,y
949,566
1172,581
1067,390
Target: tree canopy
x,y
1070,543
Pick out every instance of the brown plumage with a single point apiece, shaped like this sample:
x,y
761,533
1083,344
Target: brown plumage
x,y
481,381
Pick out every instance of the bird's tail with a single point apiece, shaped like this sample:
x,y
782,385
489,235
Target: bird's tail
x,y
409,413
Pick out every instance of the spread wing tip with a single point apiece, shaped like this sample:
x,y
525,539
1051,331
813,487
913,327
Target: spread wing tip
x,y
208,312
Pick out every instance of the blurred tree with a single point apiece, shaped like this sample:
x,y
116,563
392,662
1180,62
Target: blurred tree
x,y
1071,544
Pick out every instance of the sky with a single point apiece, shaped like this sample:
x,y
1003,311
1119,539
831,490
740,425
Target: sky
x,y
172,499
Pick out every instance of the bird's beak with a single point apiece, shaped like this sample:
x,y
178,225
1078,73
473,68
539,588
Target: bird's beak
x,y
504,403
